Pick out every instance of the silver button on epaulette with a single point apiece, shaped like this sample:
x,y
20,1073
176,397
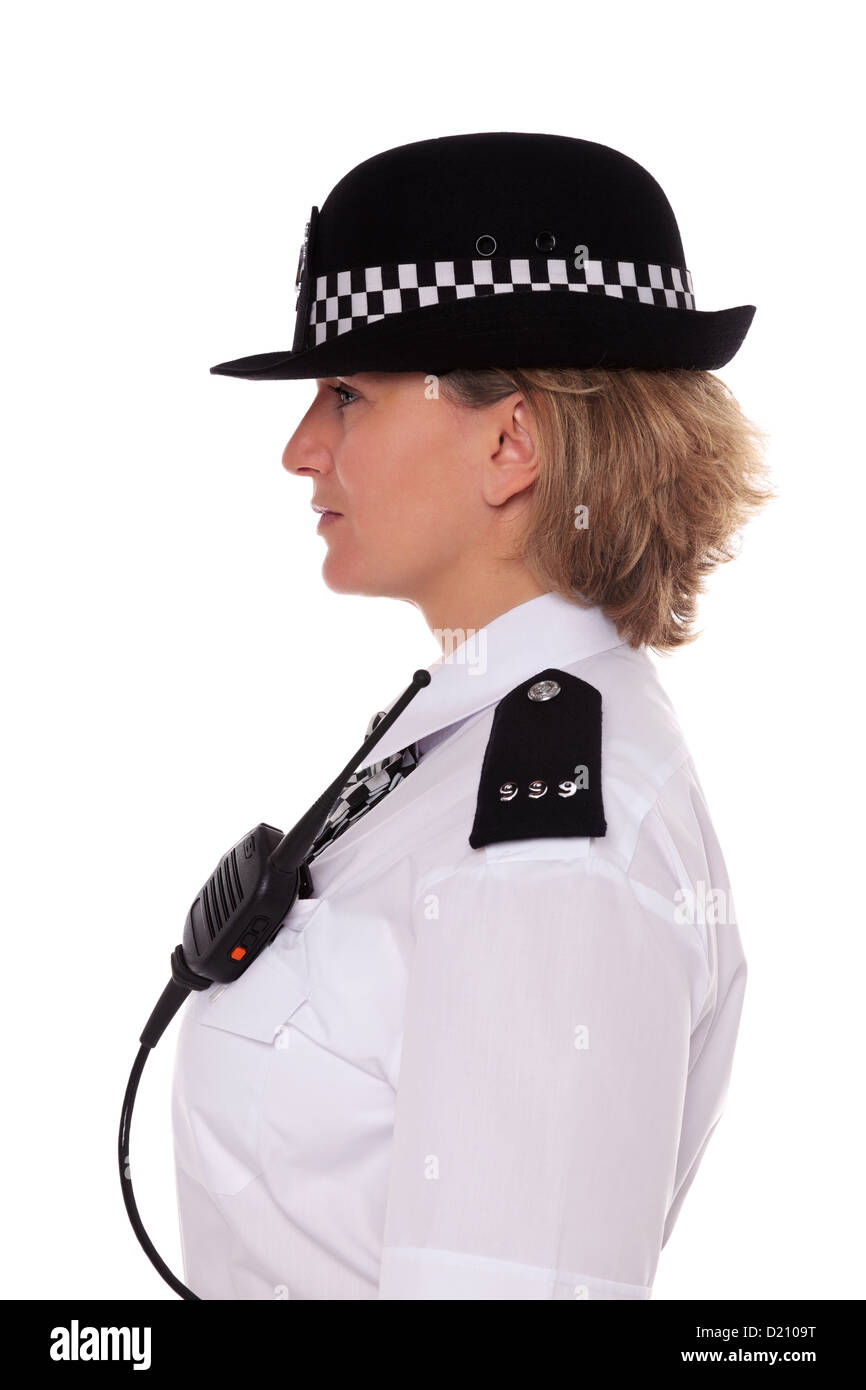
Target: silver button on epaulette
x,y
544,690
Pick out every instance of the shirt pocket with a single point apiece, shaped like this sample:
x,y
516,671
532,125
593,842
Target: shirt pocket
x,y
225,1055
296,920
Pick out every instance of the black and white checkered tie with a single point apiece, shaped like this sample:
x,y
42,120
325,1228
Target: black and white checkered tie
x,y
364,789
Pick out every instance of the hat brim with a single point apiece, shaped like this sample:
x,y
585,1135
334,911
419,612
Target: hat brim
x,y
526,329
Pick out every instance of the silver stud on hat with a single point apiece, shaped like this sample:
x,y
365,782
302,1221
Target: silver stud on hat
x,y
544,690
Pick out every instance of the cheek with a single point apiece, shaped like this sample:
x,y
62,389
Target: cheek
x,y
412,479
413,504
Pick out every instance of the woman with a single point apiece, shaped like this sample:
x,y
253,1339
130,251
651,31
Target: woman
x,y
483,1059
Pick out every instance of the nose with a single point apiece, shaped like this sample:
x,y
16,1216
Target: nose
x,y
307,452
305,457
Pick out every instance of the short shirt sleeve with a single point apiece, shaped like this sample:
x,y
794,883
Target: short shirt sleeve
x,y
542,1084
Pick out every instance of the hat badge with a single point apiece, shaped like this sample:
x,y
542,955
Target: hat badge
x,y
302,262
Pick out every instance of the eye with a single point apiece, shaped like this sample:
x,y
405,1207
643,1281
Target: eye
x,y
344,391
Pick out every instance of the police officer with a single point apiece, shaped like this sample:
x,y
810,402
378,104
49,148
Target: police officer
x,y
483,1059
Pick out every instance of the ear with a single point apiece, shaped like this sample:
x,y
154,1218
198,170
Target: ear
x,y
512,464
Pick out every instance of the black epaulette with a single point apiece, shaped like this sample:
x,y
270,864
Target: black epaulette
x,y
541,774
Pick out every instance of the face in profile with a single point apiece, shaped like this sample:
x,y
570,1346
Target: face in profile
x,y
416,487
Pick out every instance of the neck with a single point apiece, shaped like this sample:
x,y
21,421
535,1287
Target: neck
x,y
460,605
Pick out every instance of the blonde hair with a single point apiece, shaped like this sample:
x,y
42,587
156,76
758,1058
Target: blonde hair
x,y
667,467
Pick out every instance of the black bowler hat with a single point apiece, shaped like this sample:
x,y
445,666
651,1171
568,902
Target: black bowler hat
x,y
495,250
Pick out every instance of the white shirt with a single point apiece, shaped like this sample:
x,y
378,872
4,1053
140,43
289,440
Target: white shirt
x,y
467,1073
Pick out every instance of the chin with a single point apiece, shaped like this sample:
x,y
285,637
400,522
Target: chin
x,y
343,578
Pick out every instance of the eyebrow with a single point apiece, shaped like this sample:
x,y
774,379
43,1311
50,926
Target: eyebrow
x,y
368,378
372,377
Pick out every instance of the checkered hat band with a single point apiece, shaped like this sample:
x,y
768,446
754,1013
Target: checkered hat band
x,y
346,299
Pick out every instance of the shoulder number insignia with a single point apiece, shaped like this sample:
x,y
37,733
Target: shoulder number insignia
x,y
541,774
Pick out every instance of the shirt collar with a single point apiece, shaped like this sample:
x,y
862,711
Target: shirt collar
x,y
545,631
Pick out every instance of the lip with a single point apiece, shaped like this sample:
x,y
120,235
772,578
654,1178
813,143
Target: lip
x,y
327,518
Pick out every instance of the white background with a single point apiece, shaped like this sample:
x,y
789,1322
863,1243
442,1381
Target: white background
x,y
176,671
